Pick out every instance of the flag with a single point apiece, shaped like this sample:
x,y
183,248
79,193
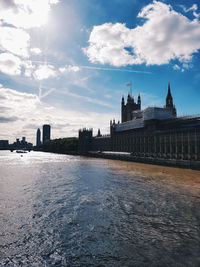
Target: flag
x,y
129,84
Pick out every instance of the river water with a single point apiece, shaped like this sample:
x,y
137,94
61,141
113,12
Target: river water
x,y
60,210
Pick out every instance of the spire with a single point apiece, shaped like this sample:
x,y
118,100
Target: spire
x,y
169,101
139,102
129,98
169,98
123,100
169,91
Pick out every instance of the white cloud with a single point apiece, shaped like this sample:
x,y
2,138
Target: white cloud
x,y
54,2
165,35
193,8
8,4
176,67
23,113
69,68
44,72
28,68
25,14
10,64
184,66
15,17
36,50
107,44
14,40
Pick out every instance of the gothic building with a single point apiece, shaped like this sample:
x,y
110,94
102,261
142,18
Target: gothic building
x,y
169,101
154,132
128,108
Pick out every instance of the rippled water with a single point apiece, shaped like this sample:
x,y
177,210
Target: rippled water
x,y
59,210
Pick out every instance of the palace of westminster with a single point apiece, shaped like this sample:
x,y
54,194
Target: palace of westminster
x,y
154,132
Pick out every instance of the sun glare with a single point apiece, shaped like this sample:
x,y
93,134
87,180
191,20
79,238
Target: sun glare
x,y
29,13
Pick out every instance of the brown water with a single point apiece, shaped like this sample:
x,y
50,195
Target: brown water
x,y
59,210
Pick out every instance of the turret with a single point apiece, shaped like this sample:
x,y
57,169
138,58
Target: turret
x,y
123,102
139,102
123,107
169,98
169,101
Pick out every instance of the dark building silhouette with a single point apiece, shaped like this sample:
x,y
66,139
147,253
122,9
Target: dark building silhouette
x,y
99,133
155,132
85,139
46,133
38,137
129,107
23,144
23,141
4,144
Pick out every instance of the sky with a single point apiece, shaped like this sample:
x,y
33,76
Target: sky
x,y
67,63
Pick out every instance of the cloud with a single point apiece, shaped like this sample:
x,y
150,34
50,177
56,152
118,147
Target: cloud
x,y
16,16
107,43
14,40
193,8
44,72
7,119
176,67
25,14
8,4
183,67
10,64
29,67
30,113
69,68
36,50
164,36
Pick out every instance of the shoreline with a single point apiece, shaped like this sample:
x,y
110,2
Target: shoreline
x,y
177,163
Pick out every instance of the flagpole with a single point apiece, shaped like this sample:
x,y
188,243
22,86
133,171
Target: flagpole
x,y
130,85
131,88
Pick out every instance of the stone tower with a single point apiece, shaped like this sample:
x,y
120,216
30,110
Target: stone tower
x,y
169,101
129,107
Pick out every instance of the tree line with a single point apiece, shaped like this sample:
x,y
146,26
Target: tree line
x,y
62,145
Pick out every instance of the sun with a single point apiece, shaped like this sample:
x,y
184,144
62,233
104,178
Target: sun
x,y
28,14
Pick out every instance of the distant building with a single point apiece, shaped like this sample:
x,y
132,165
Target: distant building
x,y
23,144
23,140
4,144
38,137
46,133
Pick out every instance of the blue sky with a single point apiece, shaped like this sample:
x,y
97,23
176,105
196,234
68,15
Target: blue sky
x,y
67,62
